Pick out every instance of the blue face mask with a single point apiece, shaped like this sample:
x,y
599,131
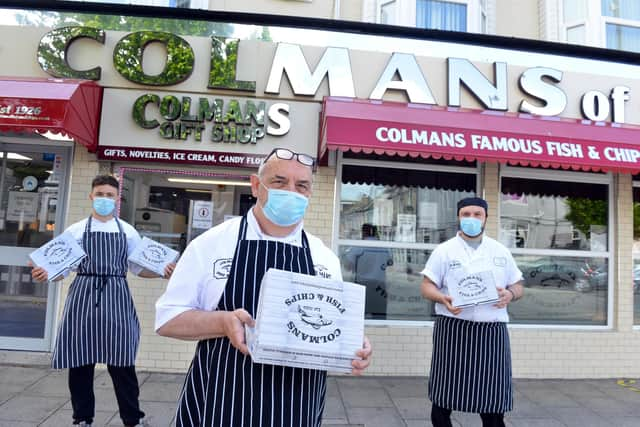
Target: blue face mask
x,y
472,227
284,208
103,205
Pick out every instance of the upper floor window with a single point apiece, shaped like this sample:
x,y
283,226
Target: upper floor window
x,y
614,24
451,15
441,15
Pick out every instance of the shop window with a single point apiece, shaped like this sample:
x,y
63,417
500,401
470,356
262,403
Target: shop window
x,y
636,250
391,216
174,207
557,230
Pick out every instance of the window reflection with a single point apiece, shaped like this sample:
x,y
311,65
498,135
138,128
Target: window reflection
x,y
411,206
562,290
553,215
636,251
391,218
392,279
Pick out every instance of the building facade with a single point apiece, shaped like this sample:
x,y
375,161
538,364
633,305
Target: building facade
x,y
405,123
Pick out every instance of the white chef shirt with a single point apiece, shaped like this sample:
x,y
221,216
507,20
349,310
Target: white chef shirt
x,y
133,238
203,269
455,254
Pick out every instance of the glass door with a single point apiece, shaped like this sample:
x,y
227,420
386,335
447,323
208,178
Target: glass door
x,y
33,182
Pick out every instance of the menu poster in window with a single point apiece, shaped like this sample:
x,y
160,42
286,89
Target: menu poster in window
x,y
383,212
23,206
202,214
406,228
427,215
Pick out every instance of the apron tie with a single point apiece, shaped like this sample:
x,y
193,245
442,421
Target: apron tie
x,y
100,286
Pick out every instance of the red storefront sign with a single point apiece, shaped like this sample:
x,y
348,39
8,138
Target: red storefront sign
x,y
421,130
60,106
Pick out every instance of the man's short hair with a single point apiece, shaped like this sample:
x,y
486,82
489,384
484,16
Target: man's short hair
x,y
473,201
105,180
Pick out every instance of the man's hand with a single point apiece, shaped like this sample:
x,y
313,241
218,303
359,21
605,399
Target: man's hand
x,y
168,270
233,325
447,301
505,297
38,274
359,365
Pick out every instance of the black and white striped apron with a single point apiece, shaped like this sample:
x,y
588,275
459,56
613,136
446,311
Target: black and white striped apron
x,y
224,387
99,323
471,366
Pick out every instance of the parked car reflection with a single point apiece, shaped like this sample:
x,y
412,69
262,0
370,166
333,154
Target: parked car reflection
x,y
555,272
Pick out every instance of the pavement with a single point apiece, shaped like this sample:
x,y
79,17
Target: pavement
x,y
38,396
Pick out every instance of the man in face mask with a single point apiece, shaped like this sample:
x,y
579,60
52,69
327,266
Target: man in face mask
x,y
214,294
100,324
471,359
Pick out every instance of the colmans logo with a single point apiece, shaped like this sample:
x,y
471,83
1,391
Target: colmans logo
x,y
317,314
154,254
57,253
471,286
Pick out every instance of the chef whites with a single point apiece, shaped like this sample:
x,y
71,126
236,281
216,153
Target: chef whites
x,y
223,386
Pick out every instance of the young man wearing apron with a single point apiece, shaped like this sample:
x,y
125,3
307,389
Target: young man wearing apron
x,y
214,293
471,359
99,322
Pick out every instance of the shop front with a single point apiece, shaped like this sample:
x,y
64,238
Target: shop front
x,y
550,140
39,118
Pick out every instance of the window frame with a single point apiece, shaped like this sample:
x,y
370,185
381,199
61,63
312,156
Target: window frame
x,y
335,233
595,24
581,177
406,13
635,326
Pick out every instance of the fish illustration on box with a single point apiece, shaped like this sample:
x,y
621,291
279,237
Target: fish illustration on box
x,y
316,320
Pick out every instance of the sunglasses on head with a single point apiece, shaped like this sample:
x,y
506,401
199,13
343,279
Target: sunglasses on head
x,y
284,154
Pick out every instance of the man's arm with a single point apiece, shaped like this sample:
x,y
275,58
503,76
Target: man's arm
x,y
168,271
431,292
200,325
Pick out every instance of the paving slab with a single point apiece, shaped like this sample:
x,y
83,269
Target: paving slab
x,y
376,417
160,391
38,396
64,417
31,409
413,407
365,397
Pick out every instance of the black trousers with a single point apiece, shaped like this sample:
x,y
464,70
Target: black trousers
x,y
441,417
125,384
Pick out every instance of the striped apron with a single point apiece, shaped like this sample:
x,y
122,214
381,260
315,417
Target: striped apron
x,y
224,387
99,322
471,366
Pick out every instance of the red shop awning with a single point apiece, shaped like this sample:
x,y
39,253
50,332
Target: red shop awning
x,y
60,106
403,129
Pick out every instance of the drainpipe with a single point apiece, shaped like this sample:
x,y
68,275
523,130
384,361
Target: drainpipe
x,y
336,9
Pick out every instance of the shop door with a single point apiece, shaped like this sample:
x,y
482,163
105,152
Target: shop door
x,y
33,182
